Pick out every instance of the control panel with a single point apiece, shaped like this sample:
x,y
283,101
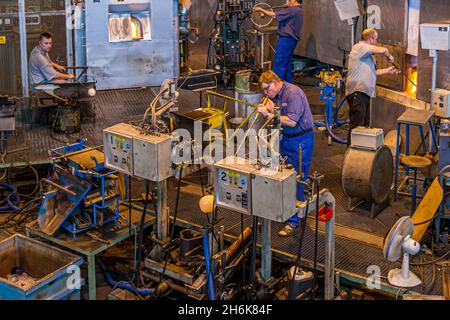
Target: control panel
x,y
241,187
118,148
132,152
233,184
440,102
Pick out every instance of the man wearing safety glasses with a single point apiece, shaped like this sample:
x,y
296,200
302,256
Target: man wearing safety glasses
x,y
297,128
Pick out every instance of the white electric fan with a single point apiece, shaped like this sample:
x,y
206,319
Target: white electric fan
x,y
398,240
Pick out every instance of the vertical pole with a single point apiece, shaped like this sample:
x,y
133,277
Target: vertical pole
x,y
23,48
262,50
434,55
91,277
330,249
266,252
397,158
69,31
407,147
162,219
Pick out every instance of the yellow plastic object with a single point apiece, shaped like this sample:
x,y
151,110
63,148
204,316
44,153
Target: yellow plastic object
x,y
330,77
121,185
206,204
427,209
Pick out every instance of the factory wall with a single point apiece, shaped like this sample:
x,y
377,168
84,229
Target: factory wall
x,y
433,11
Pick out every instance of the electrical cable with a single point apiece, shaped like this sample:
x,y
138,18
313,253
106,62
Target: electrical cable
x,y
432,261
243,253
167,255
141,230
301,235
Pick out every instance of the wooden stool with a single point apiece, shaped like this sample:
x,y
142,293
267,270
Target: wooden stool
x,y
415,163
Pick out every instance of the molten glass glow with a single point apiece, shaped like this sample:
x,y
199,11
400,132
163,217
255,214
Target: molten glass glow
x,y
134,30
412,82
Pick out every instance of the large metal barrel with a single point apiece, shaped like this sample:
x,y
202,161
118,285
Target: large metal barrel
x,y
368,174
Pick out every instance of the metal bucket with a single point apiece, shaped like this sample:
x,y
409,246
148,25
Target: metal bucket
x,y
368,174
44,270
67,119
242,111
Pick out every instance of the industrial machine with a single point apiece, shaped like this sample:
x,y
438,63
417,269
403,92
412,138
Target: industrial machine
x,y
331,81
440,102
64,106
82,193
367,171
241,187
7,120
230,47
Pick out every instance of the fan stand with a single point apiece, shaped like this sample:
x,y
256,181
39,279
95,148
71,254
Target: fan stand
x,y
403,277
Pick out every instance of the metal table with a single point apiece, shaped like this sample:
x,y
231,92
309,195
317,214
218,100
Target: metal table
x,y
103,238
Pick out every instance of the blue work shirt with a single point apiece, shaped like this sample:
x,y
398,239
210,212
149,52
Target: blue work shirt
x,y
290,21
293,103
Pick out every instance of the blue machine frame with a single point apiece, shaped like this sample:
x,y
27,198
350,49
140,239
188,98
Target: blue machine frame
x,y
80,183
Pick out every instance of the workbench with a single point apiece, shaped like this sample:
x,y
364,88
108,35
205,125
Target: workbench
x,y
96,241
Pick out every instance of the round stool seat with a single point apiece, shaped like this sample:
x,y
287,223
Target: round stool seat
x,y
415,161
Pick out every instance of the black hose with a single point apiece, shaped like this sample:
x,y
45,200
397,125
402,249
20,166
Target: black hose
x,y
253,257
141,231
172,233
298,264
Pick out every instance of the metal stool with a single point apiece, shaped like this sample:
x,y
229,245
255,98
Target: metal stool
x,y
420,119
415,162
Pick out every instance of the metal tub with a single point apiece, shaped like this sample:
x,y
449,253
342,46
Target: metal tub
x,y
46,265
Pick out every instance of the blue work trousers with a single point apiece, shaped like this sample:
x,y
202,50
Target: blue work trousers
x,y
289,148
283,58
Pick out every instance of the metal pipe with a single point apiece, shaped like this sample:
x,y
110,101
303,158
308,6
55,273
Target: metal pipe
x,y
69,31
53,184
23,48
237,243
208,92
434,54
266,250
209,274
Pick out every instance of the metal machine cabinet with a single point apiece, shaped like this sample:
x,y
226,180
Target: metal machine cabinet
x,y
274,195
142,155
233,184
118,148
152,157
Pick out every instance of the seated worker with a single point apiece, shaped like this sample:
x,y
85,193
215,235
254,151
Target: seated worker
x,y
297,128
42,70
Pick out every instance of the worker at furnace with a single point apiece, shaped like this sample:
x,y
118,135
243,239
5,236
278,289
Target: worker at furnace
x,y
362,78
42,70
290,22
297,128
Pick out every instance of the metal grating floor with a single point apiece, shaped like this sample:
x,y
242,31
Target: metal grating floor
x,y
352,258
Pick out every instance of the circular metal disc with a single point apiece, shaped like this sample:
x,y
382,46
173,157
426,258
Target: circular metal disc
x,y
260,19
393,244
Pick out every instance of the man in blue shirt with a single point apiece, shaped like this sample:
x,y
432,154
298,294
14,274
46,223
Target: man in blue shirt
x,y
42,70
290,22
297,128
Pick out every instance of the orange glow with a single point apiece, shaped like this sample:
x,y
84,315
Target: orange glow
x,y
136,32
411,88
